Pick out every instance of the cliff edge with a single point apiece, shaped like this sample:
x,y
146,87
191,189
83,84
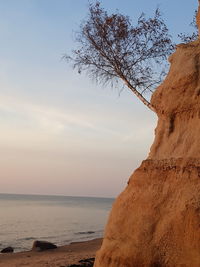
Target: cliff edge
x,y
156,220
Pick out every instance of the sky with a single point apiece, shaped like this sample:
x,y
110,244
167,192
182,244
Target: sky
x,y
60,133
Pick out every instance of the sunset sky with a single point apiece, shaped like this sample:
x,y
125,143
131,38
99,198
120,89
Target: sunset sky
x,y
59,132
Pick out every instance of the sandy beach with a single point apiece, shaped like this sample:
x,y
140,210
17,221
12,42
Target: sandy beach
x,y
59,257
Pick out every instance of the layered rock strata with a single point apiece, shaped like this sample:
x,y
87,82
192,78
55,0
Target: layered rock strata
x,y
156,220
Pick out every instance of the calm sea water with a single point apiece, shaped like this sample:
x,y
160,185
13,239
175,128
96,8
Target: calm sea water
x,y
58,219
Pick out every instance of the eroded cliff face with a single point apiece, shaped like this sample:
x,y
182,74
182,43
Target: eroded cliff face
x,y
156,220
177,103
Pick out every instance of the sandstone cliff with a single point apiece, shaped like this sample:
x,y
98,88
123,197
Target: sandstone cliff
x,y
156,220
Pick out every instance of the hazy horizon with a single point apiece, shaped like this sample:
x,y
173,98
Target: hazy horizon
x,y
47,195
61,134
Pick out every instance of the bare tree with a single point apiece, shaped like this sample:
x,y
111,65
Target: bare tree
x,y
110,49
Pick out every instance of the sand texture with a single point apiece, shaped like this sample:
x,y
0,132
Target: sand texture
x,y
60,257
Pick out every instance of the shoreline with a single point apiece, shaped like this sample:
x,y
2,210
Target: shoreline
x,y
61,256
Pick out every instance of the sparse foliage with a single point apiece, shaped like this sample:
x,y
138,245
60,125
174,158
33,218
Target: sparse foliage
x,y
187,38
110,49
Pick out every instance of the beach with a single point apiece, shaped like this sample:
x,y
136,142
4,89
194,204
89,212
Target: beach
x,y
74,224
61,220
59,257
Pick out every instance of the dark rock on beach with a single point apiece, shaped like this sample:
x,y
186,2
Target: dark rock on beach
x,y
84,263
7,250
43,245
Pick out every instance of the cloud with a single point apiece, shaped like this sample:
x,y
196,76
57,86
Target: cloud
x,y
29,118
73,129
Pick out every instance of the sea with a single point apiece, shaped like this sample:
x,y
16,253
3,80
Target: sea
x,y
58,219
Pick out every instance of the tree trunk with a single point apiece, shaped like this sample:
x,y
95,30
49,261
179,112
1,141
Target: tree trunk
x,y
144,101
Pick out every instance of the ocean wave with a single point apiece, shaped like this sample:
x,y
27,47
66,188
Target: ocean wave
x,y
27,238
85,233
